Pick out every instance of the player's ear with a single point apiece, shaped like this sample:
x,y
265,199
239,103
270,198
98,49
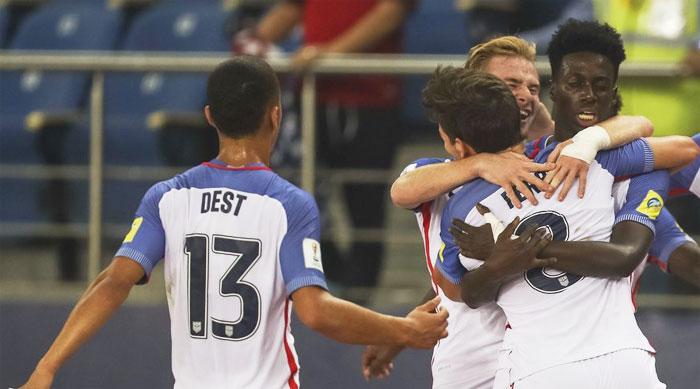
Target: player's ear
x,y
463,149
207,114
276,115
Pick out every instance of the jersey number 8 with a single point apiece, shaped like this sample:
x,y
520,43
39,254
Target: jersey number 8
x,y
546,280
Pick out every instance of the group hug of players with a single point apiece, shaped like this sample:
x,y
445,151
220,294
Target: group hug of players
x,y
534,285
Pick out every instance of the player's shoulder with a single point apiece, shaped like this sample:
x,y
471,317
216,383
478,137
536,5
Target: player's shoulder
x,y
290,196
533,147
420,162
466,197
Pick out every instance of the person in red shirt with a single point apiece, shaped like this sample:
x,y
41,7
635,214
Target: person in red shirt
x,y
358,117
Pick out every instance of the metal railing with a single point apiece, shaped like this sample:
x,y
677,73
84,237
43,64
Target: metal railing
x,y
98,63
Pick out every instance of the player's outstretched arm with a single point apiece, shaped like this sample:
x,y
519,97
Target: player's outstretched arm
x,y
507,169
346,322
510,257
673,151
378,361
575,155
684,262
101,299
628,246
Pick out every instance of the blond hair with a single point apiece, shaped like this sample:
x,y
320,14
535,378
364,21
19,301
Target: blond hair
x,y
510,46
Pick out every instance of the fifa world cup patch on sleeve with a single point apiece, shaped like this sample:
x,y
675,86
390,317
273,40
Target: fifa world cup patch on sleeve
x,y
134,229
312,254
651,205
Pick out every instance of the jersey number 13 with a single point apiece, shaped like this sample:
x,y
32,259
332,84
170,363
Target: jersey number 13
x,y
243,254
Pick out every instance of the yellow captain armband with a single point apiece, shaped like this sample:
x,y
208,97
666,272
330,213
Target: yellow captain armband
x,y
134,229
651,205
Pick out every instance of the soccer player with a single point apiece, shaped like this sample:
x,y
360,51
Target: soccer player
x,y
239,245
425,185
543,308
673,250
512,60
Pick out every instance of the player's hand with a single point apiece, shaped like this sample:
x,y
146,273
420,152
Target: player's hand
x,y
515,256
39,380
377,361
512,170
473,242
567,170
425,325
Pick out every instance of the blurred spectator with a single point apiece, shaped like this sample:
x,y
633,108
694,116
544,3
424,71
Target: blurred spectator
x,y
357,116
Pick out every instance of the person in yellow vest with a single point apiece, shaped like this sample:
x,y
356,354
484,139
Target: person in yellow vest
x,y
657,31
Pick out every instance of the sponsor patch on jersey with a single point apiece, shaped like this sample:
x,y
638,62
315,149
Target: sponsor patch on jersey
x,y
651,205
134,229
312,254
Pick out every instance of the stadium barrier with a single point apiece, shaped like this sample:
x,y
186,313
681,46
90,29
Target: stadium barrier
x,y
99,63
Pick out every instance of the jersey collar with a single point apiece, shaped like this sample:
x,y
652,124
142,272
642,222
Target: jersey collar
x,y
218,164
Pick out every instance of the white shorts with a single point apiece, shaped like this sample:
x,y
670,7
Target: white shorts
x,y
623,369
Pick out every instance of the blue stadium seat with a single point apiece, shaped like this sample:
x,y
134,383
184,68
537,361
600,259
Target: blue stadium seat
x,y
56,27
131,98
436,27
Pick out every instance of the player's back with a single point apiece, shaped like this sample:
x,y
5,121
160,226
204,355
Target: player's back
x,y
557,317
468,356
228,274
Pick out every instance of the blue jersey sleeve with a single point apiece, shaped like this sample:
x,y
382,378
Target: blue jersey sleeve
x,y
683,179
633,158
533,147
300,252
669,236
461,206
645,198
145,241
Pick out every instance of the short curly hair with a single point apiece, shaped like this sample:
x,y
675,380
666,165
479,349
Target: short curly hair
x,y
574,36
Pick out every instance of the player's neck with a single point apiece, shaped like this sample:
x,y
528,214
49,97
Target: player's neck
x,y
245,151
562,135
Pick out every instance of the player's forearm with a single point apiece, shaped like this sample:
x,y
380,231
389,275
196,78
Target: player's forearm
x,y
279,22
594,259
480,286
673,151
104,296
425,183
382,20
628,246
684,262
625,129
346,322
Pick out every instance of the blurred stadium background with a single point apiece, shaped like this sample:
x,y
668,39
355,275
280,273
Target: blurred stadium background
x,y
99,99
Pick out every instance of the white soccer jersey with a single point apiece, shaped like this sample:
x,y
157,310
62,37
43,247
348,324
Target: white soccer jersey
x,y
467,358
555,317
236,243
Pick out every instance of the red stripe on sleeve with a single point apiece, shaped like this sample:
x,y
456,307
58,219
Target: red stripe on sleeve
x,y
425,213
